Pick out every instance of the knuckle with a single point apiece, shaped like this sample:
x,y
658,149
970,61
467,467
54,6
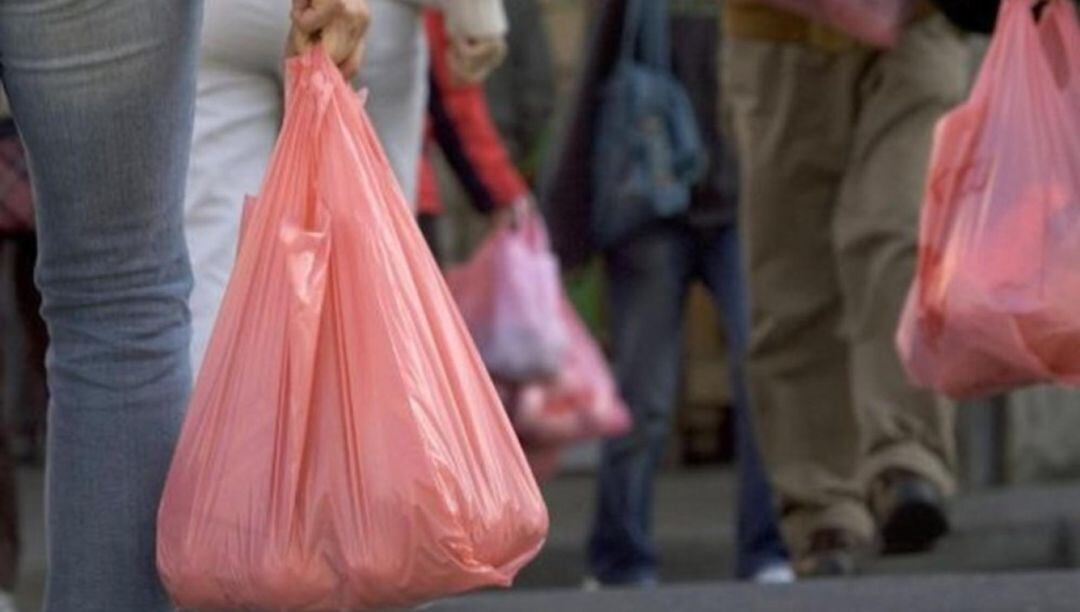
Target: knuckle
x,y
357,10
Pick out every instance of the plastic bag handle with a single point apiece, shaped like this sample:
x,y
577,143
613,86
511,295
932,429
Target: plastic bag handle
x,y
529,225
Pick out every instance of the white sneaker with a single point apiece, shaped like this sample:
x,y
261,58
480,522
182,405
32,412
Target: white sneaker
x,y
7,602
775,573
589,585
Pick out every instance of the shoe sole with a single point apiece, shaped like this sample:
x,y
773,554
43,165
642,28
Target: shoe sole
x,y
914,528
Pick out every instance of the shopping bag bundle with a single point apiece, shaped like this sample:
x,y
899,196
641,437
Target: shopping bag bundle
x,y
996,300
582,403
874,22
345,448
508,294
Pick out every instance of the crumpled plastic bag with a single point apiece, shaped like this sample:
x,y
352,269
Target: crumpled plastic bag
x,y
508,294
996,300
345,448
581,403
875,22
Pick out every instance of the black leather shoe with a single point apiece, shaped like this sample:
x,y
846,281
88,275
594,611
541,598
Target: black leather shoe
x,y
910,512
833,553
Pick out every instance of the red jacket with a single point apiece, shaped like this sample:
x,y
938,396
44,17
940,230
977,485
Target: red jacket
x,y
459,122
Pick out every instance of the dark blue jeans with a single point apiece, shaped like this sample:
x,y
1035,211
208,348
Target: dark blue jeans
x,y
648,278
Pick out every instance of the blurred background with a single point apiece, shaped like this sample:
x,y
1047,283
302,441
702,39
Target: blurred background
x,y
1019,504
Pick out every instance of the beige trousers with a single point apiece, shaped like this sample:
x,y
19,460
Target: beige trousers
x,y
834,146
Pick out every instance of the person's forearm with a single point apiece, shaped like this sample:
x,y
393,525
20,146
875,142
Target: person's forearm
x,y
475,18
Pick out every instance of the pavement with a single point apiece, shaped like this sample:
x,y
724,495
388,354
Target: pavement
x,y
1012,549
1041,592
1032,528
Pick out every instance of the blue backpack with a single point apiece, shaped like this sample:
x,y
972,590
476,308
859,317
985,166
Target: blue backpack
x,y
648,153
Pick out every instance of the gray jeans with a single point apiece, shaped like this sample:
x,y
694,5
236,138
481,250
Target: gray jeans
x,y
103,93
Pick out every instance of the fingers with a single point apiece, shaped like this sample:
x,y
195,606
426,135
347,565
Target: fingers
x,y
311,16
339,25
473,60
297,43
350,67
343,45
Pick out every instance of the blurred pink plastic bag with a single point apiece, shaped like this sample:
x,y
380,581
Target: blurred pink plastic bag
x,y
508,294
345,448
996,301
582,402
875,22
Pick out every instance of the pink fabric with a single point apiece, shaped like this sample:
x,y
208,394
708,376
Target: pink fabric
x,y
996,302
345,448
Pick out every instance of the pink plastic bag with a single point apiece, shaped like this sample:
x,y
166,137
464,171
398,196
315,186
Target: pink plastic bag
x,y
874,22
996,301
508,294
345,448
582,403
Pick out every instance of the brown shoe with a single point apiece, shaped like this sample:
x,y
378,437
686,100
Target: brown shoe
x,y
833,553
910,512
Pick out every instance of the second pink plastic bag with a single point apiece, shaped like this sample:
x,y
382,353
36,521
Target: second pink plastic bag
x,y
508,294
345,448
581,403
996,301
875,22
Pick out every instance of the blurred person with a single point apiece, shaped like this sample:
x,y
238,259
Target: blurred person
x,y
22,351
10,377
833,143
461,126
103,95
24,393
521,92
239,108
648,276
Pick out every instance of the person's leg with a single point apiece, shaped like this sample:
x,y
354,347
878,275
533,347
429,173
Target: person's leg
x,y
759,543
238,111
103,96
395,69
647,279
791,107
902,97
28,427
